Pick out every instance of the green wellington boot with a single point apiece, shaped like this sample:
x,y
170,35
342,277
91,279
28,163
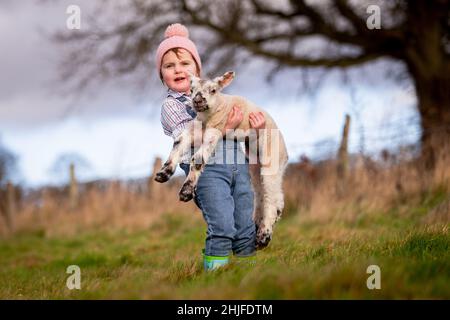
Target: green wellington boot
x,y
214,262
246,260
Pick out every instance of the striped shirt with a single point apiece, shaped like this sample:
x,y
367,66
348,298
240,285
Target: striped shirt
x,y
176,113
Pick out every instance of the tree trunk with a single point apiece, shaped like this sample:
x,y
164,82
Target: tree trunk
x,y
430,68
433,96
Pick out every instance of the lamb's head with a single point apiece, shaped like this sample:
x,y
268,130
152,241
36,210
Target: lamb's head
x,y
205,93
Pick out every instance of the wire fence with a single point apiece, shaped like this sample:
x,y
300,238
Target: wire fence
x,y
370,139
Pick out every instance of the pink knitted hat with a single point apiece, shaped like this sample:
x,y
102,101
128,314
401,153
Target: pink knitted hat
x,y
176,36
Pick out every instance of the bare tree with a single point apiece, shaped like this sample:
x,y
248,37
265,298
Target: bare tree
x,y
416,33
8,165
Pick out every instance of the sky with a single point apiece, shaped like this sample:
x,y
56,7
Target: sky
x,y
119,135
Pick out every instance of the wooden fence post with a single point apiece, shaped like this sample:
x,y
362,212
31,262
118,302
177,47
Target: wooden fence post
x,y
10,206
342,165
154,188
73,188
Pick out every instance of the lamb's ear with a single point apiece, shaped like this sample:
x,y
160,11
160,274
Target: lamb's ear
x,y
226,79
191,75
192,78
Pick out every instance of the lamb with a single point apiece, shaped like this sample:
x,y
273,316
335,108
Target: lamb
x,y
266,150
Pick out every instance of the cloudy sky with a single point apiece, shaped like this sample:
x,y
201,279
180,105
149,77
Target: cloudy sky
x,y
119,135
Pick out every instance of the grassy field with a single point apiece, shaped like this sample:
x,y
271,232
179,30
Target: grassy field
x,y
308,259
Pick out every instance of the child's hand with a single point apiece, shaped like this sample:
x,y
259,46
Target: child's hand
x,y
257,120
234,119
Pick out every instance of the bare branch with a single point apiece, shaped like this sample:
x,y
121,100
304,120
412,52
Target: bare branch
x,y
286,58
261,9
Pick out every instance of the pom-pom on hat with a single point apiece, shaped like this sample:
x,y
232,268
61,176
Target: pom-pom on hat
x,y
177,36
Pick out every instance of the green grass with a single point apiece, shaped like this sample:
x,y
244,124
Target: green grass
x,y
306,260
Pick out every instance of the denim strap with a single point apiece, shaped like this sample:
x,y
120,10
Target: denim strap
x,y
189,109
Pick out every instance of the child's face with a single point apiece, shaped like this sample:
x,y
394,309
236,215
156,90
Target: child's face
x,y
175,71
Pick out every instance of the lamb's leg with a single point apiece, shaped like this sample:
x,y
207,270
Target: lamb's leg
x,y
180,145
255,176
272,185
198,161
252,152
272,193
280,194
282,164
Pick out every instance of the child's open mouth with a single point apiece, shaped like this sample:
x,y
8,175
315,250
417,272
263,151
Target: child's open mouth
x,y
179,79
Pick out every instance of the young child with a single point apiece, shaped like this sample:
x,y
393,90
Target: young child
x,y
224,192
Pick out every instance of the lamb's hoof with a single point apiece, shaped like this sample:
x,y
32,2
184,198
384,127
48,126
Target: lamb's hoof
x,y
279,212
187,192
263,239
163,176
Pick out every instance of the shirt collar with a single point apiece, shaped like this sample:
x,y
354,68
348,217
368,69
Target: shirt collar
x,y
176,94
